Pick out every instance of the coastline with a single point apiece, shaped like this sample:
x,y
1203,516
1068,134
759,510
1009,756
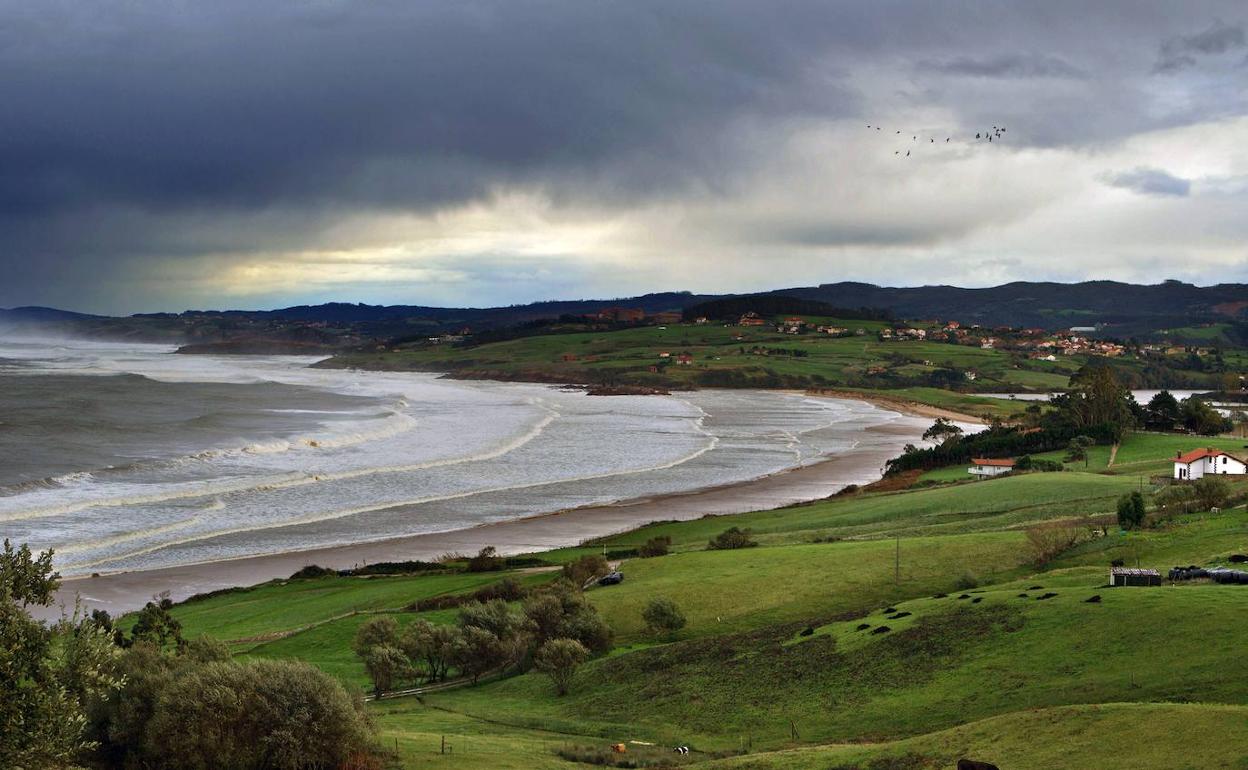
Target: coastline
x,y
124,591
901,405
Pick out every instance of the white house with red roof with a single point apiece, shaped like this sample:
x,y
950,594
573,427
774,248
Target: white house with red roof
x,y
1207,462
987,467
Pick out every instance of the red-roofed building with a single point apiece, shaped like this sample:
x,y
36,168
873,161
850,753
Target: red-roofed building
x,y
1205,462
987,467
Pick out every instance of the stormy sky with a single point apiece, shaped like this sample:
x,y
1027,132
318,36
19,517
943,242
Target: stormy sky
x,y
165,155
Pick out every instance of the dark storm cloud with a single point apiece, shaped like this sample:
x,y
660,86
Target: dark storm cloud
x,y
1182,51
1151,181
135,134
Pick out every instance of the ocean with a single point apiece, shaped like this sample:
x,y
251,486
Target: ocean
x,y
130,457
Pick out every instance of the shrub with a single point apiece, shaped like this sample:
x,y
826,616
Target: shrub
x,y
508,589
656,546
1048,541
559,659
663,617
1131,510
1176,498
486,560
313,571
1211,492
731,538
966,581
586,569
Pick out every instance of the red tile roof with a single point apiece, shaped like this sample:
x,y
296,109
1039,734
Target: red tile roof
x,y
1200,454
1000,463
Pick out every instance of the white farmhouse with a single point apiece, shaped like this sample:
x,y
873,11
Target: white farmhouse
x,y
987,467
1206,462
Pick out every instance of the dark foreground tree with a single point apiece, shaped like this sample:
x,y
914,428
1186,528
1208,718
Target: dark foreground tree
x,y
270,714
1131,510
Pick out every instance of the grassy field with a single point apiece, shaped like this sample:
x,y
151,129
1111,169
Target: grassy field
x,y
975,660
752,353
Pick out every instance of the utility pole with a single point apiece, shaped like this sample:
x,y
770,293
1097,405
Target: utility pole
x,y
897,563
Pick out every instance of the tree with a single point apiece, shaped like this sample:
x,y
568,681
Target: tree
x,y
1176,498
156,624
270,714
1078,449
509,628
381,631
1098,398
562,611
1199,417
559,659
429,646
655,546
1162,412
385,666
941,431
731,538
1211,492
48,675
1131,510
663,617
477,651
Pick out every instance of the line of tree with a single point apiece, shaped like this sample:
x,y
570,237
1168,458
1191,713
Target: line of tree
x,y
1165,413
545,632
732,308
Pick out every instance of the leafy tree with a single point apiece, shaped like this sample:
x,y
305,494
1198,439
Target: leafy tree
x,y
663,617
511,629
731,538
381,631
1162,412
385,665
1131,510
1098,398
270,714
156,623
559,659
429,646
1176,498
562,611
655,546
941,431
477,651
1211,492
1078,449
48,675
1199,417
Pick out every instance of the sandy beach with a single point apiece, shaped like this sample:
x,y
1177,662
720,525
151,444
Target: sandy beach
x,y
124,591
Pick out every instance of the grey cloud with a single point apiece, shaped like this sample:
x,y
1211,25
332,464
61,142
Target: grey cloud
x,y
1150,181
1180,52
1007,66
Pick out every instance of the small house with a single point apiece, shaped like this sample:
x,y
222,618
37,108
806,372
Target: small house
x,y
1130,576
1207,462
988,467
684,359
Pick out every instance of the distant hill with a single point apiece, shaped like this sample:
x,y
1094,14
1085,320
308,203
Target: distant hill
x,y
1123,309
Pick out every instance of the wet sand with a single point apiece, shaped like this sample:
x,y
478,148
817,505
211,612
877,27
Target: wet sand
x,y
124,591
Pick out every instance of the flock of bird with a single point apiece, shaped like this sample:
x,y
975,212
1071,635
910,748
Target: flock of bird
x,y
995,133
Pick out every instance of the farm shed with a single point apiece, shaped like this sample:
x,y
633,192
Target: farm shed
x,y
1129,576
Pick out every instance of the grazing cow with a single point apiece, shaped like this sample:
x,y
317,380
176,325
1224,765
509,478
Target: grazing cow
x,y
970,764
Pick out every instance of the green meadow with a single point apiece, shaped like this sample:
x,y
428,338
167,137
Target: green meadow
x,y
872,630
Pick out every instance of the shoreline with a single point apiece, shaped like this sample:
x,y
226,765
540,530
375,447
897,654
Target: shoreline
x,y
125,591
900,405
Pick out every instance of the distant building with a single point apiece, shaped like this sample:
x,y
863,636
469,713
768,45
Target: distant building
x,y
1207,462
988,467
752,319
684,359
1129,576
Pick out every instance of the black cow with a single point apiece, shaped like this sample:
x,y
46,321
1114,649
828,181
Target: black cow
x,y
970,764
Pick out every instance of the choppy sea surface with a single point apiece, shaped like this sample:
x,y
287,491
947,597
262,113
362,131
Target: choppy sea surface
x,y
127,456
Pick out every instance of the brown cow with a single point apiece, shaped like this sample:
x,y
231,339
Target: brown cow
x,y
970,764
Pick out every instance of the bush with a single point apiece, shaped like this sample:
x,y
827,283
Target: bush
x,y
1131,510
313,571
663,617
966,581
731,538
655,546
1048,541
1211,492
586,569
508,589
486,560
